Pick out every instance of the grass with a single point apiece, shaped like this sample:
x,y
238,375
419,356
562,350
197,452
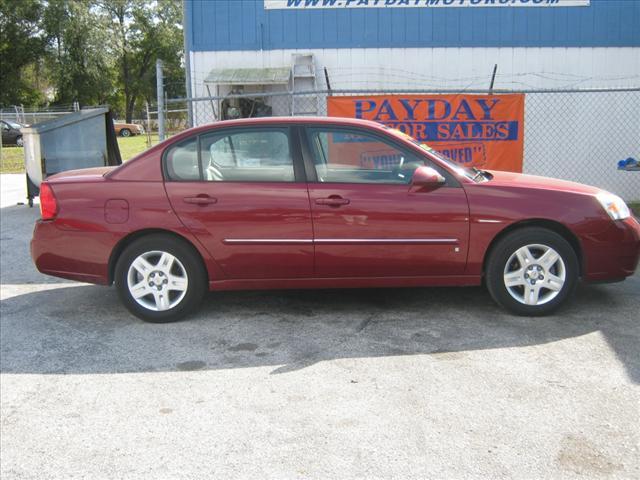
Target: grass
x,y
132,146
12,158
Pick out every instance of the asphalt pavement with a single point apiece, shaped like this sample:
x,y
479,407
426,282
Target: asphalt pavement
x,y
330,384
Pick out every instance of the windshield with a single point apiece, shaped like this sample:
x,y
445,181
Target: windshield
x,y
14,125
470,173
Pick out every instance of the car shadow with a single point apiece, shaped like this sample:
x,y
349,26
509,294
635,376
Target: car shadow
x,y
84,329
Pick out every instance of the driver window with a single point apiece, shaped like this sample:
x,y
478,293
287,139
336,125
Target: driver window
x,y
348,156
259,155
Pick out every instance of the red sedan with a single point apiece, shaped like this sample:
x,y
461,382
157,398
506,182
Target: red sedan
x,y
323,203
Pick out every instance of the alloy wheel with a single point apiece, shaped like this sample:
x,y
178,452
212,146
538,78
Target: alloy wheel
x,y
534,274
157,280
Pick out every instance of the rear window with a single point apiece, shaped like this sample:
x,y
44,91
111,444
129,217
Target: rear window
x,y
182,161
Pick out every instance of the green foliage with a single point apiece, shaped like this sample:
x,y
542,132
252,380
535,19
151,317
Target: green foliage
x,y
22,45
142,32
79,63
90,51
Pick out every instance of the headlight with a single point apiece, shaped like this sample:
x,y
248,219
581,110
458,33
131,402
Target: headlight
x,y
614,205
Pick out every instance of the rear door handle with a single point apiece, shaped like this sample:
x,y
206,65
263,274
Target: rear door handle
x,y
201,200
332,201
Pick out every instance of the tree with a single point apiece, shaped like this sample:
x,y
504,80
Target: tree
x,y
142,32
80,65
90,51
22,47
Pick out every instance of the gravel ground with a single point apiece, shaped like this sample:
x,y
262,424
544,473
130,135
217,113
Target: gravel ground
x,y
415,383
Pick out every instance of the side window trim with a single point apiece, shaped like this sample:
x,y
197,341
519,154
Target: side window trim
x,y
307,154
199,154
299,172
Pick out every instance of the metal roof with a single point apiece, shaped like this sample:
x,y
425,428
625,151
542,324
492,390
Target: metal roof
x,y
249,76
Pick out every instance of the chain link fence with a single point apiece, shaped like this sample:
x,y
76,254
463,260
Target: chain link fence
x,y
32,115
577,135
581,136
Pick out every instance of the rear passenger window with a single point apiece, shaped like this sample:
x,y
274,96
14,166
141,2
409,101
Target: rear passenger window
x,y
247,156
182,161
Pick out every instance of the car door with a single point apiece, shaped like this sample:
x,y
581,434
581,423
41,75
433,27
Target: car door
x,y
368,221
241,191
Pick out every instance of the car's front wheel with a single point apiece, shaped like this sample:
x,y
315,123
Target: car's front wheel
x,y
19,142
532,271
160,278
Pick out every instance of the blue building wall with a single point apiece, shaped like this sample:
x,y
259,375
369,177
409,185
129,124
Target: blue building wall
x,y
225,25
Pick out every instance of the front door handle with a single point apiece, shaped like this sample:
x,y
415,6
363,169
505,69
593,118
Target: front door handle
x,y
332,201
201,200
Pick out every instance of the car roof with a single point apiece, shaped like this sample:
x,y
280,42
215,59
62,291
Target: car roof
x,y
266,121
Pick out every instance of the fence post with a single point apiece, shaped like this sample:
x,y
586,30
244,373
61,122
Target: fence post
x,y
148,129
167,123
160,95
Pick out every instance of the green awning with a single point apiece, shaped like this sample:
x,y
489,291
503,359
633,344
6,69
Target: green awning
x,y
249,76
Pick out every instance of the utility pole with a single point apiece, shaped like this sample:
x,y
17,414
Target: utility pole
x,y
160,95
187,61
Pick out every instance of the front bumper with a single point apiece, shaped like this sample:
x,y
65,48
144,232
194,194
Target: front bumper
x,y
614,254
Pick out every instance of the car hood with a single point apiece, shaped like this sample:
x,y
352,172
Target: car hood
x,y
80,175
511,179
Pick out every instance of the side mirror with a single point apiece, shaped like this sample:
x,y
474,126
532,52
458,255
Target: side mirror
x,y
426,178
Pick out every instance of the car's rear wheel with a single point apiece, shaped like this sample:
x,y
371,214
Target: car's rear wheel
x,y
160,278
532,271
125,132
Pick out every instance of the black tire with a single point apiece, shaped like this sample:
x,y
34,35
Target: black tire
x,y
502,253
19,142
125,132
188,259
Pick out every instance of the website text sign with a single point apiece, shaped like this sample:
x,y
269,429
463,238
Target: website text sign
x,y
314,4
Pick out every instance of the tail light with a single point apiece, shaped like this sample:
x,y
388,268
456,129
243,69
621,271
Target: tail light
x,y
48,202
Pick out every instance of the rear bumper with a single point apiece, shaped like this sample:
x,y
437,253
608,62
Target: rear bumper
x,y
74,255
614,254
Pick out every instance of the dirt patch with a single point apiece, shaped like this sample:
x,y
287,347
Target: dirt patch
x,y
580,455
